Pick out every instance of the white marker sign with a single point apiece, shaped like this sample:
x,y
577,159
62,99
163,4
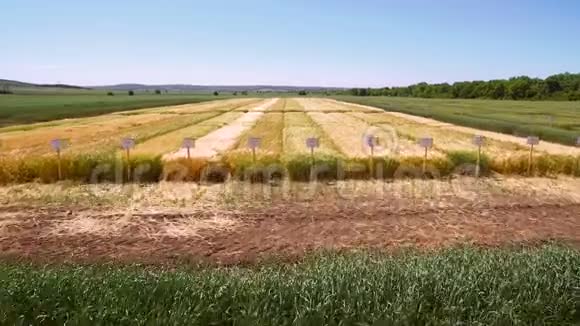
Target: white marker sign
x,y
57,144
533,140
188,143
127,143
312,142
254,142
372,140
426,142
478,140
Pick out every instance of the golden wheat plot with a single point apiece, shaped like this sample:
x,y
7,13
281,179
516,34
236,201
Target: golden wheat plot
x,y
278,106
325,105
101,133
211,106
410,131
171,142
95,134
225,138
298,126
496,143
292,105
346,132
205,123
445,139
269,128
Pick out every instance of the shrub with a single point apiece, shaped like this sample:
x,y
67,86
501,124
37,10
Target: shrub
x,y
267,167
301,168
92,168
465,162
183,169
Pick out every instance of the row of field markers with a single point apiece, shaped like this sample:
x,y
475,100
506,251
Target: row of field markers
x,y
58,145
254,143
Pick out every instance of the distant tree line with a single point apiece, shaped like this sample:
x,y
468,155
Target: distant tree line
x,y
5,89
557,87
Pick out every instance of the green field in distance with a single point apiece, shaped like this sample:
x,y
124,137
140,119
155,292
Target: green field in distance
x,y
550,120
45,106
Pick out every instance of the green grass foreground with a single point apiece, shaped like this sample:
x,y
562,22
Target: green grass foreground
x,y
24,109
552,121
466,286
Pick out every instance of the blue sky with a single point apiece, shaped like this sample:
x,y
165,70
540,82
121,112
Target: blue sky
x,y
324,43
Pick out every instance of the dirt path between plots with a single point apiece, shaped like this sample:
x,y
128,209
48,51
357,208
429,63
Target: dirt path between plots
x,y
224,138
550,148
285,230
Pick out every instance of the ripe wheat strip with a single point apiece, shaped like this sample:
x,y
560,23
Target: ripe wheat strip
x,y
224,138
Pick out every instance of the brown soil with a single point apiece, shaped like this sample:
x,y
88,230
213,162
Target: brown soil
x,y
284,229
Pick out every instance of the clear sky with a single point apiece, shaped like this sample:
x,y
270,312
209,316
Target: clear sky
x,y
294,42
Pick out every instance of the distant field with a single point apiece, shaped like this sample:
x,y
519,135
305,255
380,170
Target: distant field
x,y
24,109
552,121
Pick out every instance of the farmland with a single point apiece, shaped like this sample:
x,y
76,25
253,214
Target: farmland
x,y
222,130
553,121
185,253
38,107
248,240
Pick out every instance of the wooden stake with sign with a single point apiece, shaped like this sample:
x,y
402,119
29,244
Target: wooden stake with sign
x,y
57,146
478,141
372,141
253,144
426,143
188,144
312,143
532,141
127,144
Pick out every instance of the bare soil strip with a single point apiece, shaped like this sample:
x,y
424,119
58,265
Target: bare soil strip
x,y
225,138
486,214
284,231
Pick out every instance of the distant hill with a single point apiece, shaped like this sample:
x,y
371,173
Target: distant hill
x,y
174,87
18,84
212,88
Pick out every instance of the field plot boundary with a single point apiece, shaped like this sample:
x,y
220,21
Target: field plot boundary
x,y
215,115
345,130
233,225
222,139
545,146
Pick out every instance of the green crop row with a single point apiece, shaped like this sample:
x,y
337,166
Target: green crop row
x,y
461,286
